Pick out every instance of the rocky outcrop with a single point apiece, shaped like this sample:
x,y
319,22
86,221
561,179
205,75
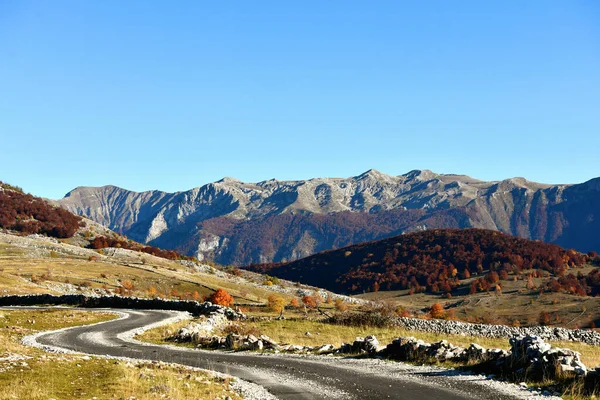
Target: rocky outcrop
x,y
411,349
240,223
474,353
533,357
529,357
201,334
201,331
367,345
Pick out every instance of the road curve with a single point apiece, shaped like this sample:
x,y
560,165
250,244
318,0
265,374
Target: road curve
x,y
286,377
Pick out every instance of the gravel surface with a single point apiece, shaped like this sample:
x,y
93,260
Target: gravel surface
x,y
449,378
248,390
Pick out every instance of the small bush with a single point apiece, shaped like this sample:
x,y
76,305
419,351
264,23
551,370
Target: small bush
x,y
276,303
128,286
221,297
271,280
544,318
437,311
309,301
340,305
363,319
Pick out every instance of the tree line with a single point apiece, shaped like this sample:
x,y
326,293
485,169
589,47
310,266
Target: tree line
x,y
102,242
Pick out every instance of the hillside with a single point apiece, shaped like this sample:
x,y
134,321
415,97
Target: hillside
x,y
46,249
239,223
433,261
37,264
29,214
25,214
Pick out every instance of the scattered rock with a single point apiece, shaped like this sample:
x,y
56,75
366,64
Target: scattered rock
x,y
160,389
324,349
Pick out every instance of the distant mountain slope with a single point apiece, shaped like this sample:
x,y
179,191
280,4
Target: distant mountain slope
x,y
24,214
432,261
239,223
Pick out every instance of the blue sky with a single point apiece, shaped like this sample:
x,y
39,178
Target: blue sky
x,y
173,95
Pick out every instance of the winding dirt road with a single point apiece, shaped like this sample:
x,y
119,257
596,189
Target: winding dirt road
x,y
286,377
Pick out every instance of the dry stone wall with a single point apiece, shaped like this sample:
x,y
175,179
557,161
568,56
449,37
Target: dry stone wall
x,y
498,331
193,307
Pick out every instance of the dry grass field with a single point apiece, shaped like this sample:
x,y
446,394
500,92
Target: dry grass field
x,y
61,272
515,305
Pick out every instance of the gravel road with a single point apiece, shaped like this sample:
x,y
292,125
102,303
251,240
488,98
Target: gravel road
x,y
285,377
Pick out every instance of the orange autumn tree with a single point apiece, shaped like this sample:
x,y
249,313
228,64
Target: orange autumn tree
x,y
318,299
127,287
276,304
221,297
152,292
437,311
340,305
309,301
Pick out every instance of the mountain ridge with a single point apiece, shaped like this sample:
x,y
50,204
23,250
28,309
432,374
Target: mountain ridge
x,y
207,221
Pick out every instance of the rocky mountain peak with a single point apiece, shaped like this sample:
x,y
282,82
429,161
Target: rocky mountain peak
x,y
372,173
420,175
228,179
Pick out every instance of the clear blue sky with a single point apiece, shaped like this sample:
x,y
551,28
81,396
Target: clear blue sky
x,y
172,95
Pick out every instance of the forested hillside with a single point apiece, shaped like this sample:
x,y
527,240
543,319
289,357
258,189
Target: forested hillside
x,y
29,214
431,261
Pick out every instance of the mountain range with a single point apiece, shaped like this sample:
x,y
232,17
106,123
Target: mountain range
x,y
233,222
